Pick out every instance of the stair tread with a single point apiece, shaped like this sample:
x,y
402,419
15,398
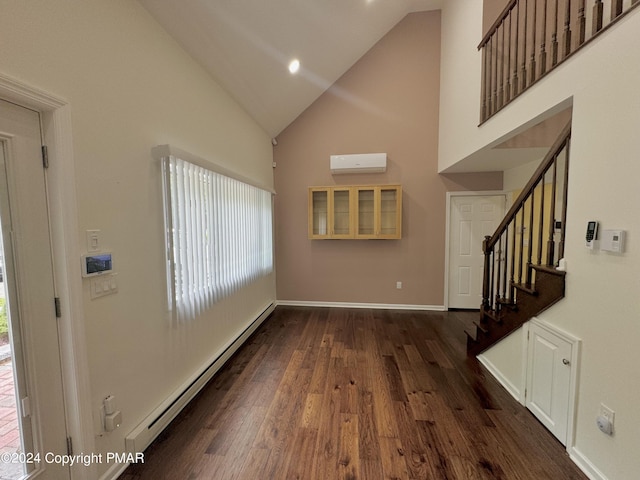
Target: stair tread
x,y
480,327
471,335
504,301
549,269
492,314
530,289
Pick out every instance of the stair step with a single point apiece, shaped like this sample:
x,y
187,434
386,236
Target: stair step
x,y
531,300
506,303
530,289
471,336
492,314
549,269
481,327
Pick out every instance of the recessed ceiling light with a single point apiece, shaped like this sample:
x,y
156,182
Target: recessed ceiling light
x,y
294,66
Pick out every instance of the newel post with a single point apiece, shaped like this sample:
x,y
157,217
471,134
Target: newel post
x,y
486,275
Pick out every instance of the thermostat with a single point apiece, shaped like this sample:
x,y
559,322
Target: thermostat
x,y
96,264
612,241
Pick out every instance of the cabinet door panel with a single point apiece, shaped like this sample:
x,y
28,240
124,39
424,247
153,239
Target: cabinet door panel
x,y
342,213
318,213
390,212
548,380
366,200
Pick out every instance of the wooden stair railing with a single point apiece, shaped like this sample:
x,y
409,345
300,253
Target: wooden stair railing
x,y
531,37
520,278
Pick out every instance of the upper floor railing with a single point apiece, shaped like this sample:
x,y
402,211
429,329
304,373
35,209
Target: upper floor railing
x,y
532,37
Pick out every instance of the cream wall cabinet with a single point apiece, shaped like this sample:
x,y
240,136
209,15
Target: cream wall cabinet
x,y
361,212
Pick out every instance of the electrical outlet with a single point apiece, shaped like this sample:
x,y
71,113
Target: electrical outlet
x,y
605,420
607,413
399,285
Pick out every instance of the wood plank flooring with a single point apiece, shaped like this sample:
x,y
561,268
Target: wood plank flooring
x,y
322,394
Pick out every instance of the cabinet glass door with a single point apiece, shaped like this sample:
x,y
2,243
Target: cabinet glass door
x,y
341,212
319,212
366,212
388,211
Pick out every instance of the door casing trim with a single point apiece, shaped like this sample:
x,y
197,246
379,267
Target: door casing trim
x,y
57,132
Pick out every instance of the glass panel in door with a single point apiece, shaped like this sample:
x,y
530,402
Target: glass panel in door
x,y
320,209
388,211
32,413
366,212
341,212
10,425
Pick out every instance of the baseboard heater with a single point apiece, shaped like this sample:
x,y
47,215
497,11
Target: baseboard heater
x,y
150,428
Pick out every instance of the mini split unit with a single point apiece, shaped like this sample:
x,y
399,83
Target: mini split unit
x,y
359,163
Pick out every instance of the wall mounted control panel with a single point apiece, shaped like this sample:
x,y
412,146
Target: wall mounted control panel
x,y
592,234
612,241
96,264
609,240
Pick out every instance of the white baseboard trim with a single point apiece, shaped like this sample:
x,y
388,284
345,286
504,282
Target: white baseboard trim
x,y
379,306
584,464
156,421
502,380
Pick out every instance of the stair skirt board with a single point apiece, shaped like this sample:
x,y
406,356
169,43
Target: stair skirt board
x,y
142,436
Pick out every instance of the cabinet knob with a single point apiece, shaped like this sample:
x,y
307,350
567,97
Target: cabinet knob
x,y
566,362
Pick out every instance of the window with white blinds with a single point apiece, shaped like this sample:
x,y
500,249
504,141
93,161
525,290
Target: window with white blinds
x,y
219,235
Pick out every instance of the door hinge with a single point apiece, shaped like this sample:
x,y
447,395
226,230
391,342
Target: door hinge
x,y
56,302
69,446
26,407
45,156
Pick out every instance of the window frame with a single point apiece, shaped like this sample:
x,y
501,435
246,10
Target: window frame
x,y
213,286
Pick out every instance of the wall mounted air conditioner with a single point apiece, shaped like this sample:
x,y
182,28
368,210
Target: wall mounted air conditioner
x,y
359,163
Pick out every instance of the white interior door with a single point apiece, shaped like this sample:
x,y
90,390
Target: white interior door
x,y
548,379
28,279
471,218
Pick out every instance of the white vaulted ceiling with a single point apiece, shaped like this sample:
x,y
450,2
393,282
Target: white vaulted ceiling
x,y
246,45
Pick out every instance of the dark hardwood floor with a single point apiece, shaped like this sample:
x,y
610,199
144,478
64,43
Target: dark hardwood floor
x,y
321,394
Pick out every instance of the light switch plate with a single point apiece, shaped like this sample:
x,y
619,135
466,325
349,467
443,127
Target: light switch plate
x,y
93,241
103,285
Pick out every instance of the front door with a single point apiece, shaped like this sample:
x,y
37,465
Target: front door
x,y
28,287
471,218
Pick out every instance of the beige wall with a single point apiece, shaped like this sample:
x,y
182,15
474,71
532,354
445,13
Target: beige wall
x,y
491,9
387,102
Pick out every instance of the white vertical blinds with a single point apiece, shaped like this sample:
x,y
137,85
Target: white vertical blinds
x,y
219,235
